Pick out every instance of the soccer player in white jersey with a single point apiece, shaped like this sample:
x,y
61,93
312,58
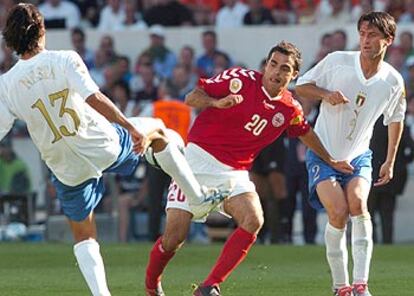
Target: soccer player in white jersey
x,y
355,89
80,133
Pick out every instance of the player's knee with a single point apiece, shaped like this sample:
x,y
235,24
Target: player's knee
x,y
339,216
357,208
173,242
159,143
253,223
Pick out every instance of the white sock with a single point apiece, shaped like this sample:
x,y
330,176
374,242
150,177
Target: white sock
x,y
173,162
92,267
362,246
337,255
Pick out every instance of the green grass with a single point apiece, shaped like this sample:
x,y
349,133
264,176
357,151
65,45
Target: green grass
x,y
50,269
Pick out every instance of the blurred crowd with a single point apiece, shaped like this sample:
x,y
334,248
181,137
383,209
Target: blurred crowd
x,y
113,15
156,82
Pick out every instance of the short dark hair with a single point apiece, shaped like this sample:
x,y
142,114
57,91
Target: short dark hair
x,y
382,20
211,33
24,27
78,31
288,49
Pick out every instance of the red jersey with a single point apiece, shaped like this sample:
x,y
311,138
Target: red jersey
x,y
235,136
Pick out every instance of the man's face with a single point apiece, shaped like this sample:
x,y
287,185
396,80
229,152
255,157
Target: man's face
x,y
209,42
372,41
77,41
278,73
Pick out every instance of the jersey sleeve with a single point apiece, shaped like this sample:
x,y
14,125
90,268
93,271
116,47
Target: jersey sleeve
x,y
321,73
298,125
395,111
6,120
78,76
229,81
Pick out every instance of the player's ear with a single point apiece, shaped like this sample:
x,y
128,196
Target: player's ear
x,y
295,74
389,40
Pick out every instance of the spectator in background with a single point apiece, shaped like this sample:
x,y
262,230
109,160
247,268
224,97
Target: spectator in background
x,y
176,115
221,62
335,13
163,58
231,14
297,182
406,44
383,199
97,71
180,83
14,174
205,62
78,43
282,11
409,79
123,66
8,59
108,48
268,176
121,95
168,13
305,11
258,14
112,16
148,92
362,7
133,19
408,16
60,14
339,39
89,10
203,15
5,5
395,8
186,59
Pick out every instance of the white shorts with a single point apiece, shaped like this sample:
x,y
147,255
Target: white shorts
x,y
211,173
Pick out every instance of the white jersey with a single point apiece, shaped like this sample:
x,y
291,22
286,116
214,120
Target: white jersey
x,y
346,129
48,92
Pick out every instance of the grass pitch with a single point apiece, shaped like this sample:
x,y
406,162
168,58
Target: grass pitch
x,y
50,269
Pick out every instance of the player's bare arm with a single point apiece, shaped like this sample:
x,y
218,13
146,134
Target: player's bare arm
x,y
386,172
311,140
199,99
104,106
311,91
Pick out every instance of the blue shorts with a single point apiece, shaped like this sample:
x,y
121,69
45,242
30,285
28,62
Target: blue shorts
x,y
79,201
319,170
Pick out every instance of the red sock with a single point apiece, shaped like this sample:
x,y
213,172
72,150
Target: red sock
x,y
157,261
233,253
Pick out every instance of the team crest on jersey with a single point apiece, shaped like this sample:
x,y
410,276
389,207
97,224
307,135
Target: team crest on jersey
x,y
278,119
235,85
360,99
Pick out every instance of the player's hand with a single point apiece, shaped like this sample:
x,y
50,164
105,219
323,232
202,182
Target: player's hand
x,y
140,141
336,97
342,166
385,174
228,102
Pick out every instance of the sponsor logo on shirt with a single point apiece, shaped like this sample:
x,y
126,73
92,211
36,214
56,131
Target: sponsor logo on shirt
x,y
278,119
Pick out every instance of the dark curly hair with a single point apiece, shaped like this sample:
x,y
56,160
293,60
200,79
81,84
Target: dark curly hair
x,y
24,27
288,49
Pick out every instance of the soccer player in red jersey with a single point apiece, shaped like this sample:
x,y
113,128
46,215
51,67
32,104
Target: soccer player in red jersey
x,y
243,111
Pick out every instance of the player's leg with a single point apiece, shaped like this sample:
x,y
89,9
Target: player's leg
x,y
165,146
78,204
88,256
176,230
357,191
333,199
248,214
